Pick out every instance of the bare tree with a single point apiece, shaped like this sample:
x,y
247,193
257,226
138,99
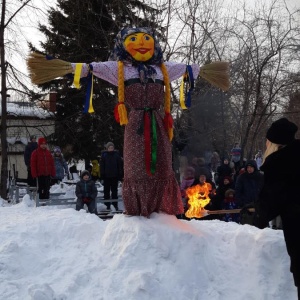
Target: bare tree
x,y
13,80
261,42
263,61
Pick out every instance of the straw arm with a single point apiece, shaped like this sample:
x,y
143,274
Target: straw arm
x,y
44,69
217,74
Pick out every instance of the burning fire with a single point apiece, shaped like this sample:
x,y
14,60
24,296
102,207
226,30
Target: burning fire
x,y
198,196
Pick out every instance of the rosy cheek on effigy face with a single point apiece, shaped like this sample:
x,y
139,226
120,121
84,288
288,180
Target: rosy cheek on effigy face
x,y
140,46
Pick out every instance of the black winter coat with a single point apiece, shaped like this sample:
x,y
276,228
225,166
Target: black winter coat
x,y
31,146
248,187
111,165
280,195
86,189
223,171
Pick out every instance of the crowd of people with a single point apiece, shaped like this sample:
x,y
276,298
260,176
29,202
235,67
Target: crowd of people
x,y
46,168
235,183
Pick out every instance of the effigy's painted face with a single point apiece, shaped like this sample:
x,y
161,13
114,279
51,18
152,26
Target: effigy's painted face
x,y
140,46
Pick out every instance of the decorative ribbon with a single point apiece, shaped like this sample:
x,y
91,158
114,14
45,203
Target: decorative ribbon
x,y
147,142
77,74
153,145
148,128
88,104
168,123
185,98
49,57
181,94
88,107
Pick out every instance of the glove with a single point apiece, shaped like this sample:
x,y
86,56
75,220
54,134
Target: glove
x,y
86,199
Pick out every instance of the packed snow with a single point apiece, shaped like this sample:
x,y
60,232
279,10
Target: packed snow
x,y
57,253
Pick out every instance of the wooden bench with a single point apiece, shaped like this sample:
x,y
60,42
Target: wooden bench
x,y
18,190
54,200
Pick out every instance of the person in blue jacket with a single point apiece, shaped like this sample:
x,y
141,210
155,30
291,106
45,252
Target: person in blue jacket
x,y
61,166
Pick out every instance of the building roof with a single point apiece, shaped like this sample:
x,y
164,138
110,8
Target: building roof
x,y
26,109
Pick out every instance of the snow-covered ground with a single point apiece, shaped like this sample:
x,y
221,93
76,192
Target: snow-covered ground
x,y
55,253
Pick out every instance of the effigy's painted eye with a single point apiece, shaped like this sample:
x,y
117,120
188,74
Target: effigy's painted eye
x,y
133,38
147,37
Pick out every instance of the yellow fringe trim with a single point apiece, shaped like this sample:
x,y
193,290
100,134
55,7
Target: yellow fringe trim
x,y
121,95
167,96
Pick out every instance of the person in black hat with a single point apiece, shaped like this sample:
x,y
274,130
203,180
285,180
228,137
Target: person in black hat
x,y
30,147
280,194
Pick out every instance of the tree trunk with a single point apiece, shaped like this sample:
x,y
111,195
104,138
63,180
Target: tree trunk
x,y
4,159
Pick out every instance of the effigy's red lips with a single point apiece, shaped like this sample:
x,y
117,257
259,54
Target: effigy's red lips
x,y
142,50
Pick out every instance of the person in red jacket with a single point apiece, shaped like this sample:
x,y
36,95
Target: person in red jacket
x,y
42,168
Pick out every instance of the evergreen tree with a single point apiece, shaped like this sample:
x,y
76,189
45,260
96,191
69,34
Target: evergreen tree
x,y
83,31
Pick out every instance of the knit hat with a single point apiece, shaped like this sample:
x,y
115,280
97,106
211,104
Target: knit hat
x,y
56,150
42,141
189,171
85,172
229,191
228,178
282,132
109,144
33,137
251,163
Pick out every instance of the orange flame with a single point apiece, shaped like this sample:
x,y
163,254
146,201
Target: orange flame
x,y
198,196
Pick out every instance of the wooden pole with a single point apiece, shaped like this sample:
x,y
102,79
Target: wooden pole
x,y
227,211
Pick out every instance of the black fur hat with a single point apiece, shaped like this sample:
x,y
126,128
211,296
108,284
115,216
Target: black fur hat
x,y
282,132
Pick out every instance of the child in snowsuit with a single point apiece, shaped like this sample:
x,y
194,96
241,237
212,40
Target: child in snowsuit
x,y
61,166
230,203
86,193
95,170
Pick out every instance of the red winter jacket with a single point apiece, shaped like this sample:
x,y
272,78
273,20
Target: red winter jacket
x,y
42,163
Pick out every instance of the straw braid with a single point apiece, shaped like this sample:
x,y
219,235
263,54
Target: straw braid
x,y
121,95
